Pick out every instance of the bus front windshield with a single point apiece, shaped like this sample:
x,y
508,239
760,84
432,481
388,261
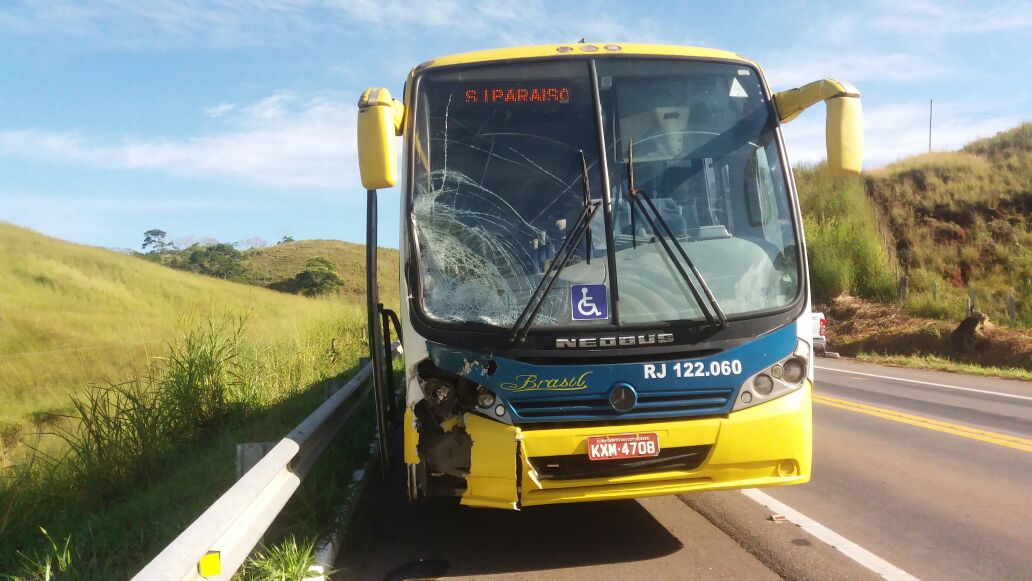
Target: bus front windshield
x,y
503,155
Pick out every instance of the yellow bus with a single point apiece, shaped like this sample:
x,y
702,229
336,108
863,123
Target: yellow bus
x,y
603,276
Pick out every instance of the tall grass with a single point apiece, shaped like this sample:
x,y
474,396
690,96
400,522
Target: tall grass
x,y
199,375
848,252
120,433
124,388
288,560
138,459
55,561
73,315
961,220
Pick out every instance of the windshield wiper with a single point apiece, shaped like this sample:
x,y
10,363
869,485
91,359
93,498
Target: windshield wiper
x,y
666,238
587,202
569,247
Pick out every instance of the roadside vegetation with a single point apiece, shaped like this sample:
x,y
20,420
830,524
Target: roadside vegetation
x,y
944,364
73,315
309,267
898,254
949,224
139,459
886,333
845,242
960,222
277,265
126,387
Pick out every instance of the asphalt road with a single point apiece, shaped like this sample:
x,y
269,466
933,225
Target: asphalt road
x,y
935,479
949,498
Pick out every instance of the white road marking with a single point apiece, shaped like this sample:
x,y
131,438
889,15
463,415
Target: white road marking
x,y
998,393
846,546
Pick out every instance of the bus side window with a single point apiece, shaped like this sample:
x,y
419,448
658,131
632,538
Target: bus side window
x,y
761,197
759,189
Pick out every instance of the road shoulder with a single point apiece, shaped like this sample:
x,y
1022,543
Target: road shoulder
x,y
785,548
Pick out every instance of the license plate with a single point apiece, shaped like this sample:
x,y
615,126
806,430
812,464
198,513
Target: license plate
x,y
619,446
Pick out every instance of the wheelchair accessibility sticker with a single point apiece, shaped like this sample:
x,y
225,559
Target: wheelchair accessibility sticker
x,y
588,302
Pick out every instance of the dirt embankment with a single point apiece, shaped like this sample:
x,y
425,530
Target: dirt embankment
x,y
855,326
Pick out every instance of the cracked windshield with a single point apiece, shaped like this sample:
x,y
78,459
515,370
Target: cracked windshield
x,y
507,170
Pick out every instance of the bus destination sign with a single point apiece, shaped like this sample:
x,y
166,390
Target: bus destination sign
x,y
518,95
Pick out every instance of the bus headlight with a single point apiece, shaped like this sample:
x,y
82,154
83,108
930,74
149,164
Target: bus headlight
x,y
782,377
485,399
763,384
795,370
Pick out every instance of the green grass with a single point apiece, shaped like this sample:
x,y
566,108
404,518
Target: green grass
x,y
124,388
142,458
71,315
952,221
846,248
274,264
942,364
961,220
287,560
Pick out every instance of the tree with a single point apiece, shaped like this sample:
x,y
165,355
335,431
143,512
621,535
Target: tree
x,y
219,260
154,241
286,239
319,277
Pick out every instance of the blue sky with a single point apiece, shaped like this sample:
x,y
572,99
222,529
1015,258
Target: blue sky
x,y
234,119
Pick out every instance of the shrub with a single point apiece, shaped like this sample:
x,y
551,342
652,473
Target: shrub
x,y
845,245
289,559
318,278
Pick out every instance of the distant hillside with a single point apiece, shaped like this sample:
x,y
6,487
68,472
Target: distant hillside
x,y
961,220
272,266
72,314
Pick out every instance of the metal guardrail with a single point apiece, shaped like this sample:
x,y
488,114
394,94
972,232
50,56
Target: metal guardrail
x,y
220,540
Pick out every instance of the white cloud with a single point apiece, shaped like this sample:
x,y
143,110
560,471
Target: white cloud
x,y
282,140
130,24
893,132
925,18
504,22
793,68
157,23
219,110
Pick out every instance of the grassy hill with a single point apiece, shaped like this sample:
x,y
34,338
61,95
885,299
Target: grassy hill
x,y
960,221
952,222
272,265
72,315
141,379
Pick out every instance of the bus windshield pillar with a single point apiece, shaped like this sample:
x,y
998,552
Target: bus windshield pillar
x,y
376,353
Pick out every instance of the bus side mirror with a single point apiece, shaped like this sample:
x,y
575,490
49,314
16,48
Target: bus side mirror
x,y
845,136
379,122
844,127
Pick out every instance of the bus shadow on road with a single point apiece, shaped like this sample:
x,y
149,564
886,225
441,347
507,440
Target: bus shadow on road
x,y
441,538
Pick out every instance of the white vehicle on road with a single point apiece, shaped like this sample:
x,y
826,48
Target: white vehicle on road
x,y
820,341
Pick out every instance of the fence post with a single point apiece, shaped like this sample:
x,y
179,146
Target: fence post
x,y
904,282
972,299
247,455
935,292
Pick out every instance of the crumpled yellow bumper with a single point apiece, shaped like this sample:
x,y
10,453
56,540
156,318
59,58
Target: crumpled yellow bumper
x,y
767,445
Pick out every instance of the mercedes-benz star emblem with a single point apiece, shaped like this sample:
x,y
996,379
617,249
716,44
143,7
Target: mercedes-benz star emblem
x,y
622,397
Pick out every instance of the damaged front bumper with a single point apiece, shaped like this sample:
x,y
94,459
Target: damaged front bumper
x,y
766,445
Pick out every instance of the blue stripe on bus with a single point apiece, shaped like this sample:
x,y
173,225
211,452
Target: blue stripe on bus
x,y
561,393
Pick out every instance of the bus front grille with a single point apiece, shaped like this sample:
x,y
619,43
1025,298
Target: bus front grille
x,y
578,467
656,404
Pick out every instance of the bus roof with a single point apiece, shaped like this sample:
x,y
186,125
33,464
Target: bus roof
x,y
579,49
